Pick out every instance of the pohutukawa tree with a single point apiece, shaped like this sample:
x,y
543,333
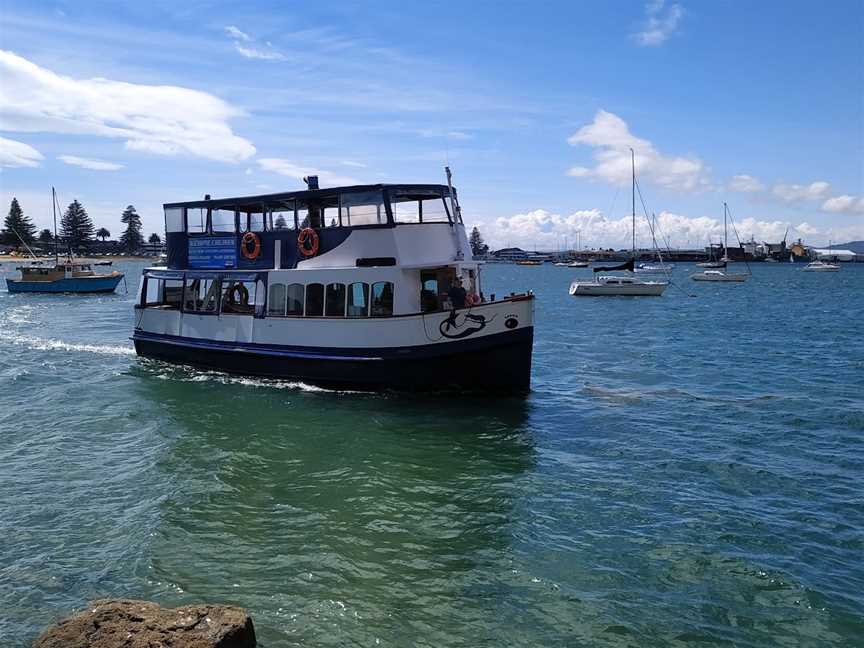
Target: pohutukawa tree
x,y
76,228
131,240
102,233
16,221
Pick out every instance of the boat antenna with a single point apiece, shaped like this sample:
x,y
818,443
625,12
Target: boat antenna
x,y
54,209
457,212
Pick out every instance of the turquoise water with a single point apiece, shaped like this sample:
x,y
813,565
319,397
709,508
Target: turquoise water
x,y
686,471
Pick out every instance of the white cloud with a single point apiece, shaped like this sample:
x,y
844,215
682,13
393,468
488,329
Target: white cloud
x,y
291,170
349,163
612,140
87,163
459,135
164,120
255,53
543,230
745,184
659,24
18,154
795,192
844,204
233,32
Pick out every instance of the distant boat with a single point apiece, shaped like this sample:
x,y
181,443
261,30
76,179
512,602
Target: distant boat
x,y
612,285
529,262
721,275
102,263
561,264
654,268
577,264
820,266
67,276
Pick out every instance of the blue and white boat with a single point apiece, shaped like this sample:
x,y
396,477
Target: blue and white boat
x,y
64,277
369,286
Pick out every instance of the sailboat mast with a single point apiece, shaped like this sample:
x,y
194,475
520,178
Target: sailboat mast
x,y
725,235
633,198
54,209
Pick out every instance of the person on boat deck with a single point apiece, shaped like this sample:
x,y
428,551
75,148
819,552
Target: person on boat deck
x,y
457,294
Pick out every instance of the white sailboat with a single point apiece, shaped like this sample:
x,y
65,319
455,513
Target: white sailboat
x,y
618,286
722,275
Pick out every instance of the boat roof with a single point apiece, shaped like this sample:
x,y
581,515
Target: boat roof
x,y
256,203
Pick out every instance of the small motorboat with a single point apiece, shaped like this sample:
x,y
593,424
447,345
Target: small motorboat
x,y
712,264
529,262
719,275
63,277
820,266
577,264
654,268
102,263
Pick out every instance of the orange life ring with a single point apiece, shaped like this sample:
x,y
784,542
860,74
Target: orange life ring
x,y
253,239
308,242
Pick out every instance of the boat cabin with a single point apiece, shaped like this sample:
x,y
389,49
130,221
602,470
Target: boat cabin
x,y
66,270
360,251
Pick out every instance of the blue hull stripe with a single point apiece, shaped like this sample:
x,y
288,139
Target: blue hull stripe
x,y
344,354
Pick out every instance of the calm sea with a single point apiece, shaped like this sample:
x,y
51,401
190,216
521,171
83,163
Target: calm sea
x,y
686,471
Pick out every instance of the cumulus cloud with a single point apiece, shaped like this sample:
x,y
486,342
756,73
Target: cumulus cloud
x,y
18,154
88,163
795,192
745,184
292,170
611,139
659,24
163,120
844,204
543,230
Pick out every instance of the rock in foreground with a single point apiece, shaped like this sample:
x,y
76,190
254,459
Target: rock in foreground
x,y
112,623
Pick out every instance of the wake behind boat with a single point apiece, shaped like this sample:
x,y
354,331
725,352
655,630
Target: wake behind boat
x,y
368,286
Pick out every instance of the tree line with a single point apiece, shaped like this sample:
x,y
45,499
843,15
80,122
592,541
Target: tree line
x,y
76,230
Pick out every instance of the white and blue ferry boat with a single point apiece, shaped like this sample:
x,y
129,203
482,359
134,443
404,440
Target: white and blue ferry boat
x,y
369,287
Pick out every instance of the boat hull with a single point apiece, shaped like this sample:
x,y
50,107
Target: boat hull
x,y
735,278
71,285
591,289
493,363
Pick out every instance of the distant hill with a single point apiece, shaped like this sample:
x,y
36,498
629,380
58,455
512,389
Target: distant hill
x,y
856,246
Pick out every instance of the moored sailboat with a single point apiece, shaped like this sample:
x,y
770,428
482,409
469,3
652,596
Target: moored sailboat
x,y
721,274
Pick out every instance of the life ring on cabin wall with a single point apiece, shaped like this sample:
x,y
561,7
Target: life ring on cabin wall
x,y
308,242
239,295
253,240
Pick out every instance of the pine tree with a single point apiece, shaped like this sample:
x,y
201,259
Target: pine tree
x,y
280,222
478,247
76,228
131,240
16,221
154,238
45,236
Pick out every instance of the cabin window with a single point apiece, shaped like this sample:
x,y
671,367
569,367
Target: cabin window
x,y
196,220
282,218
406,211
201,296
222,221
382,299
276,300
238,297
429,291
335,300
256,222
363,208
295,300
434,211
153,292
315,300
419,206
358,299
174,219
166,294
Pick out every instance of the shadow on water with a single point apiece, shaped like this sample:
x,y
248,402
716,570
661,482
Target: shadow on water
x,y
329,514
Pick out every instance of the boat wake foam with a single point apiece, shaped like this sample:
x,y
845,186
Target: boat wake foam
x,y
39,344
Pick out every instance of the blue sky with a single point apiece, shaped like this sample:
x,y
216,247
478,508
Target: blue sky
x,y
535,106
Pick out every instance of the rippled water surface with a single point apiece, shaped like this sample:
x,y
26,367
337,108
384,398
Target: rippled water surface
x,y
686,471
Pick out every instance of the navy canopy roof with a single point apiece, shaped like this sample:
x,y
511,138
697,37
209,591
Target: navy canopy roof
x,y
255,204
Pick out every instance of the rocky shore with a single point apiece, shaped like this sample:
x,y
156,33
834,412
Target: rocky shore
x,y
112,623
